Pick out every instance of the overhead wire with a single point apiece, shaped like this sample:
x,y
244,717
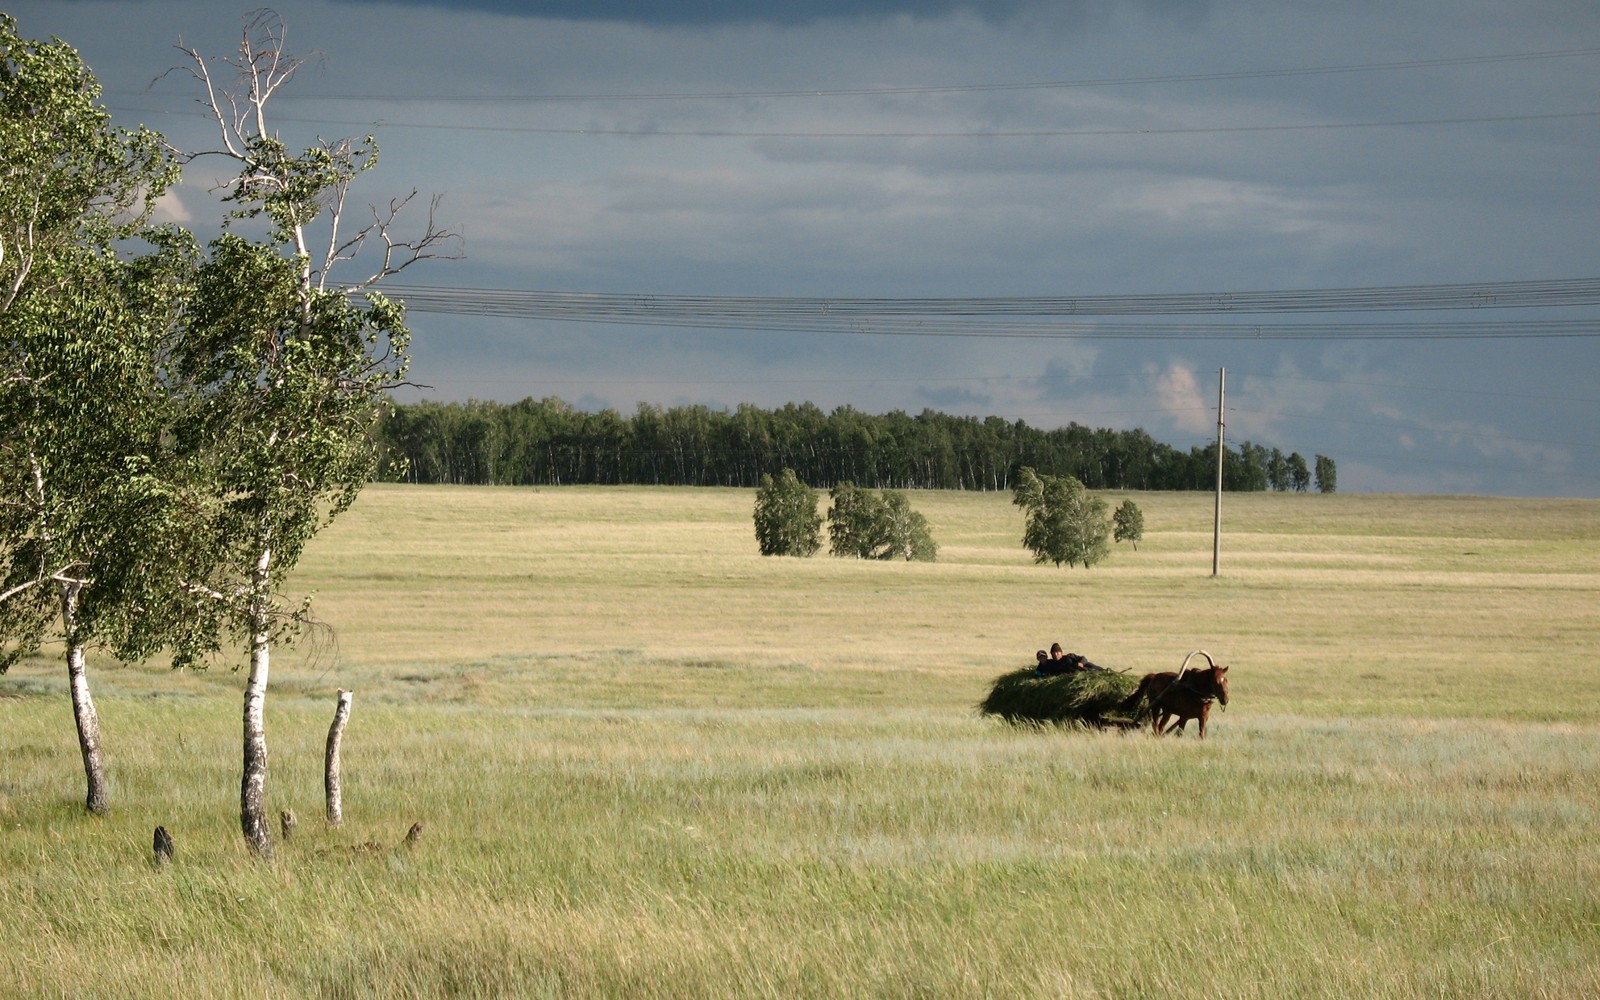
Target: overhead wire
x,y
662,133
917,90
1466,390
970,88
1051,316
1411,426
1041,377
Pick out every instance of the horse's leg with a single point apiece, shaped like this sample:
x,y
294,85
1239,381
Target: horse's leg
x,y
1205,711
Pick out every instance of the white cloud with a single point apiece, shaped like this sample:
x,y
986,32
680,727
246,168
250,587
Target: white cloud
x,y
169,208
1178,393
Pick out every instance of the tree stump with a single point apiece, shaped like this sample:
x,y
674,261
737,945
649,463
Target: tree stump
x,y
330,780
162,846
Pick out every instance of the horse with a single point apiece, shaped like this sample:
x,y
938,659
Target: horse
x,y
1184,695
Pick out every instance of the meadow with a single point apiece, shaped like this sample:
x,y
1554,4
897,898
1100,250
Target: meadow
x,y
652,763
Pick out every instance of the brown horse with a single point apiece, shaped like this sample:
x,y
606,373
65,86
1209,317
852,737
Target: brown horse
x,y
1184,695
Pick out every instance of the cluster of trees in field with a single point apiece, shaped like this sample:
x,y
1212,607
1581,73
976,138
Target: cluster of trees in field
x,y
550,442
177,421
861,524
1065,523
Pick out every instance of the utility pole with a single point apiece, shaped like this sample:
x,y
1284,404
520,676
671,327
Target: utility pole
x,y
1216,526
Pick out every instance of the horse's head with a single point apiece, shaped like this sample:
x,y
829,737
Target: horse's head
x,y
1219,683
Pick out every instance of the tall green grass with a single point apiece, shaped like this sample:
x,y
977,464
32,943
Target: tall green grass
x,y
651,763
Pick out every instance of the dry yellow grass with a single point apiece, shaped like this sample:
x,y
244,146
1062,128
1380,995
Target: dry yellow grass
x,y
653,764
1400,591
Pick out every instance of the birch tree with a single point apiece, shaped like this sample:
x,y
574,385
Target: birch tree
x,y
294,368
1063,522
877,526
1128,522
786,518
79,401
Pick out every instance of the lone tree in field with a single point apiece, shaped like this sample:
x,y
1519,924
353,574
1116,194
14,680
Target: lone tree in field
x,y
882,526
291,373
81,407
787,522
1063,523
1128,523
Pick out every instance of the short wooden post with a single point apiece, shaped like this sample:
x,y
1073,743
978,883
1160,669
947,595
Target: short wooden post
x,y
161,844
330,782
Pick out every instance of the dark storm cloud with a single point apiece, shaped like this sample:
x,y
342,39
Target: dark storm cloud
x,y
1211,156
788,12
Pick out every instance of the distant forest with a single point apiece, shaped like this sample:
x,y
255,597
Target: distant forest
x,y
549,442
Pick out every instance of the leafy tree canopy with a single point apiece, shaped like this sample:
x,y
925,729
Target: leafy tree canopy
x,y
787,522
877,526
1063,523
1128,522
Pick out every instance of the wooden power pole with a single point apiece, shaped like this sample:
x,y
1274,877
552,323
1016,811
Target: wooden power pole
x,y
1216,524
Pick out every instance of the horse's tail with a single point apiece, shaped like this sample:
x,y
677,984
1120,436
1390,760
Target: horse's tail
x,y
1132,701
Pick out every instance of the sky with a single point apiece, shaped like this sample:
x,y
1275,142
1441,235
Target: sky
x,y
894,149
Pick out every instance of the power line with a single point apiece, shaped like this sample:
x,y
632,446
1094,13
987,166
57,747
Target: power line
x,y
1467,390
1057,330
1571,475
656,133
975,88
1414,426
1046,316
940,380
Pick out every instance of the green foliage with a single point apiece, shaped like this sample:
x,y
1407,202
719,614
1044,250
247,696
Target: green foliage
x,y
1327,475
1278,471
1128,523
82,401
285,375
1063,522
1299,475
173,428
276,438
853,523
68,179
88,413
787,522
909,536
882,526
548,441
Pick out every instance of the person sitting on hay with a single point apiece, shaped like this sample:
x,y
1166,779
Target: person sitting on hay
x,y
1061,662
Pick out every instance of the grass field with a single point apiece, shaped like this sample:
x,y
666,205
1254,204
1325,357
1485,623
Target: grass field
x,y
652,763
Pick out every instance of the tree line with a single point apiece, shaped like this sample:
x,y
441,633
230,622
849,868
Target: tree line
x,y
548,441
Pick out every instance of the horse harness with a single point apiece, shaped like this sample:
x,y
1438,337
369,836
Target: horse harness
x,y
1183,679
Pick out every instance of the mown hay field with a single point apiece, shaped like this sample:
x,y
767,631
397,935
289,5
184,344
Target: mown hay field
x,y
652,763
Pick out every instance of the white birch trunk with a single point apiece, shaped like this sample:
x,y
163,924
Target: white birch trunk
x,y
97,800
253,785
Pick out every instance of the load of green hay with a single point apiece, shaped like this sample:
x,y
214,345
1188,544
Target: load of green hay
x,y
1084,697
